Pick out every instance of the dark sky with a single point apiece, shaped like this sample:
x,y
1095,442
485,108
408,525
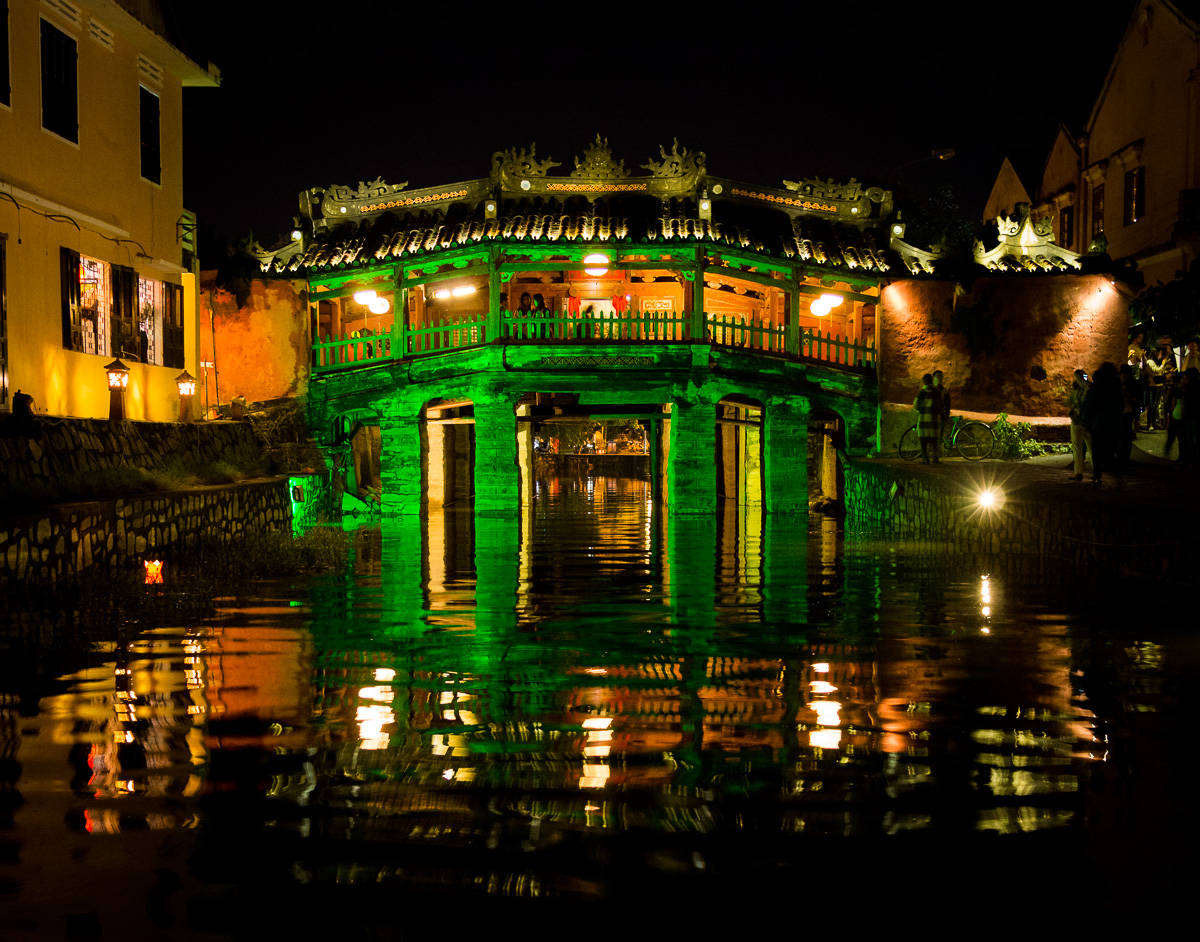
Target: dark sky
x,y
428,96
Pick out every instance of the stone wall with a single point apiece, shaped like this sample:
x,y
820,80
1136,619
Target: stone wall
x,y
69,447
1123,540
262,346
1007,344
44,545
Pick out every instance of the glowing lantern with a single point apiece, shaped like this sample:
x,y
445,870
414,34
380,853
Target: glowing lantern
x,y
186,383
364,297
118,379
379,306
463,291
118,375
599,263
154,571
441,295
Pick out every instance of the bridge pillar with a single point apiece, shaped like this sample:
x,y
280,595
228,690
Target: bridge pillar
x,y
497,483
785,456
400,464
691,470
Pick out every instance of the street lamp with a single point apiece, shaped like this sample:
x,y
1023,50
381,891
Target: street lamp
x,y
187,394
118,379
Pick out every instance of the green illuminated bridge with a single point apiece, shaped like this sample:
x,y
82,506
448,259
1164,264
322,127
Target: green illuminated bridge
x,y
463,333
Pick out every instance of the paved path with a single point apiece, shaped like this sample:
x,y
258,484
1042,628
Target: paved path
x,y
1151,480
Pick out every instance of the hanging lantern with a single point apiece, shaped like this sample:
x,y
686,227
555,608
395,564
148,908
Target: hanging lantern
x,y
599,263
378,306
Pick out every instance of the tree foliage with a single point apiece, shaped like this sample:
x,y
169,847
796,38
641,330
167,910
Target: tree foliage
x,y
1172,308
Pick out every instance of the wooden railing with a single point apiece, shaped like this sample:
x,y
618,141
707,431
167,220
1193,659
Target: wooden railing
x,y
647,327
626,328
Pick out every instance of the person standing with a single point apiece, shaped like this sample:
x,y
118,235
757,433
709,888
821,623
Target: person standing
x,y
942,405
926,405
1102,409
1079,433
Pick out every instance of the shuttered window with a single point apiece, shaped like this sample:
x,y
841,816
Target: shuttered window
x,y
151,162
60,90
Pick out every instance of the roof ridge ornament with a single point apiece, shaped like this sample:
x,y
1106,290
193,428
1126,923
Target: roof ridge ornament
x,y
598,162
675,164
520,164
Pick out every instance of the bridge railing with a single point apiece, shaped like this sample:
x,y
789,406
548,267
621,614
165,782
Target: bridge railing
x,y
626,328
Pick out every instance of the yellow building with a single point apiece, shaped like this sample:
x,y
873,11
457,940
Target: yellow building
x,y
96,249
1131,179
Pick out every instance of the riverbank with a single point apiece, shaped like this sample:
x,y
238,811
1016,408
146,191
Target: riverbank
x,y
1129,525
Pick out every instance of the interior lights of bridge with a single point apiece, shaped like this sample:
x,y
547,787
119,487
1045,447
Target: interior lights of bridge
x,y
379,306
364,297
598,262
825,303
463,291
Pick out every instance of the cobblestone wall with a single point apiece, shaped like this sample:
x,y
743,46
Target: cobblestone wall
x,y
71,446
66,539
1123,540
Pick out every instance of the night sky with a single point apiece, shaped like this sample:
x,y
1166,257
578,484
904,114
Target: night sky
x,y
428,96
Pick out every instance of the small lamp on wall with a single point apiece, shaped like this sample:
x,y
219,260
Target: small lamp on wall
x,y
187,395
118,379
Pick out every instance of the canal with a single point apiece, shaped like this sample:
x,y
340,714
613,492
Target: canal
x,y
595,703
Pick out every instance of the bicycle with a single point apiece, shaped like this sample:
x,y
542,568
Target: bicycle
x,y
972,440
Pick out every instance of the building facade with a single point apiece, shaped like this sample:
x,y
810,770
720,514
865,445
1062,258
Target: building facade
x,y
96,249
1128,184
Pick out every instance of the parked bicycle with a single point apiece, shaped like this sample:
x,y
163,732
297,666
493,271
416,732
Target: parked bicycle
x,y
969,438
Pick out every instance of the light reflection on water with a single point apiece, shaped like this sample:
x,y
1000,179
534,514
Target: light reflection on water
x,y
587,702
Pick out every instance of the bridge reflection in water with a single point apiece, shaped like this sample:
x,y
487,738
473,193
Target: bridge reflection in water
x,y
598,700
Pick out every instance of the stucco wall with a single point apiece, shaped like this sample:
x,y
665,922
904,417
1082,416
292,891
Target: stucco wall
x,y
988,340
261,336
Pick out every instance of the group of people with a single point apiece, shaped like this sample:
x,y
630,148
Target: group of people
x,y
933,414
1107,409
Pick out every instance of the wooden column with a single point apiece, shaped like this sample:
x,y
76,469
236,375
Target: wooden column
x,y
494,319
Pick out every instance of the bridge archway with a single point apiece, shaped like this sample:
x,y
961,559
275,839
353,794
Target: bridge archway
x,y
826,446
448,452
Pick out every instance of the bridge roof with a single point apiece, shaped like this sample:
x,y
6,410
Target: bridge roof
x,y
821,225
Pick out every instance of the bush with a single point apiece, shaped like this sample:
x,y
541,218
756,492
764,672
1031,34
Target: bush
x,y
1014,440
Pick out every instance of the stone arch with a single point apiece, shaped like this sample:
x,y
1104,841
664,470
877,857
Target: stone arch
x,y
739,448
447,451
826,448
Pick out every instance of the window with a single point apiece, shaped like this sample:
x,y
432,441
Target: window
x,y
1066,225
1135,195
151,167
5,86
172,331
60,93
1097,210
86,303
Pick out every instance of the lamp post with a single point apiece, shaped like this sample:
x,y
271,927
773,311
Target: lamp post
x,y
187,395
118,379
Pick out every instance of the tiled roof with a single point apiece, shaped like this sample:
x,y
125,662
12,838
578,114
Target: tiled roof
x,y
812,241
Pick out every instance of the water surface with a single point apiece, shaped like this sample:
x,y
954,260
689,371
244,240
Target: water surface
x,y
594,702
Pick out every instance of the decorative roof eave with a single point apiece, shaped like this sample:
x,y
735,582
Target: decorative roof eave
x,y
554,234
918,261
1026,245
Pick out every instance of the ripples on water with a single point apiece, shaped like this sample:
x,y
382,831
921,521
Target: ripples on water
x,y
608,707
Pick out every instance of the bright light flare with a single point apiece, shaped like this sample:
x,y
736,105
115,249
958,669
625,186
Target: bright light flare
x,y
598,262
364,297
989,498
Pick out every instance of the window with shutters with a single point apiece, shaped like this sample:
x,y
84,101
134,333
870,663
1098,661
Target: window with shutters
x,y
151,164
60,90
173,326
87,303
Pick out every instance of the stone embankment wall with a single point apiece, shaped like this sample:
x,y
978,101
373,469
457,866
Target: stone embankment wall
x,y
1117,539
69,447
45,545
